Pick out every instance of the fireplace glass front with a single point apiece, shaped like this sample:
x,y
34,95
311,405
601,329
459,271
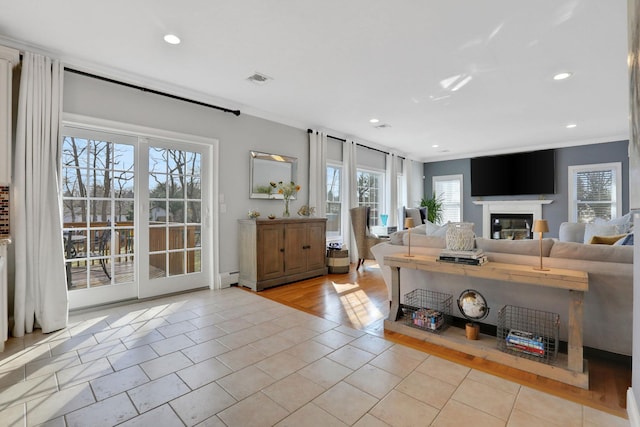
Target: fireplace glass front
x,y
511,226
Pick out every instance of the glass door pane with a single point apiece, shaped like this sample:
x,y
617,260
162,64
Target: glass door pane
x,y
98,196
174,218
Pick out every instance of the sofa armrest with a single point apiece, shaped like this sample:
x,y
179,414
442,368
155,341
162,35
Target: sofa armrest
x,y
571,232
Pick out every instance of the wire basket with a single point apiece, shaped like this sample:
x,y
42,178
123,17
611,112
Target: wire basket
x,y
528,333
427,310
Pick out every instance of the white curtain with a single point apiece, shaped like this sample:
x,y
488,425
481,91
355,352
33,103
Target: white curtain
x,y
318,172
350,192
391,175
40,284
414,181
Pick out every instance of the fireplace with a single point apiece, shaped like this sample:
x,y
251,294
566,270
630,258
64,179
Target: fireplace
x,y
511,208
511,226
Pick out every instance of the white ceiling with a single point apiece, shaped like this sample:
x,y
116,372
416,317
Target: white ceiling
x,y
336,64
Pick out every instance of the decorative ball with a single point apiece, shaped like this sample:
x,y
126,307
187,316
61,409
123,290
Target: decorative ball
x,y
472,305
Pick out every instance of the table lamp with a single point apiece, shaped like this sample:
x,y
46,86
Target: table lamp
x,y
540,226
408,224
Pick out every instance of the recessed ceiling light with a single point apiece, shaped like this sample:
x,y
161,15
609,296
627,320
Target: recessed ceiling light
x,y
172,39
435,146
562,76
374,121
571,125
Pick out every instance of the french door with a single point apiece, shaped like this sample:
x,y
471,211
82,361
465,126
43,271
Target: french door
x,y
176,204
134,214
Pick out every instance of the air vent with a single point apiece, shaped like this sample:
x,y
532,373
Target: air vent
x,y
382,126
259,78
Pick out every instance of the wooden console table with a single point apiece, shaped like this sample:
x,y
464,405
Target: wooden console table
x,y
572,371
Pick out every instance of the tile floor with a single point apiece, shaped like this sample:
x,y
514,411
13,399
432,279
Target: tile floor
x,y
233,358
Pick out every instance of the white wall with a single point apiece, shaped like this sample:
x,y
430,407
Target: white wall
x,y
237,136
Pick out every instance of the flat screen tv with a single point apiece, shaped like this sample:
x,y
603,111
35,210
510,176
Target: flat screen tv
x,y
514,174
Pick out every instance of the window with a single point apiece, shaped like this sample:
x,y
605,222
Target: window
x,y
595,191
370,193
448,188
334,201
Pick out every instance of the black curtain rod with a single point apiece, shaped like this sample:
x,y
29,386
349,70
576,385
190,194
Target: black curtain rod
x,y
155,92
359,145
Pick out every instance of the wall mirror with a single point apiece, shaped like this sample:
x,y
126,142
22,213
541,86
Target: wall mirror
x,y
266,168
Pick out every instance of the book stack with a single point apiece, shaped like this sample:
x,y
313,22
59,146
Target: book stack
x,y
428,319
473,257
525,342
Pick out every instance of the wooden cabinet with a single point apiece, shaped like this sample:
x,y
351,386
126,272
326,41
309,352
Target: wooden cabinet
x,y
278,251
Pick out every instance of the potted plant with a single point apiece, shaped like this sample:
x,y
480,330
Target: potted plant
x,y
434,208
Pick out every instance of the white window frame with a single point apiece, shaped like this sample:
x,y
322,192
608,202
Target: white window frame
x,y
616,167
343,202
458,177
375,219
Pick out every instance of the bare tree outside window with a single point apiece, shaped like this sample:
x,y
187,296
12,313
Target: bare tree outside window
x,y
370,193
98,206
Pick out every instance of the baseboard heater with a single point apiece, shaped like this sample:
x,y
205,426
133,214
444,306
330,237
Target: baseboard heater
x,y
229,278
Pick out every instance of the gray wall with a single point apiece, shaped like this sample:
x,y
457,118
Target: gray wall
x,y
236,135
556,212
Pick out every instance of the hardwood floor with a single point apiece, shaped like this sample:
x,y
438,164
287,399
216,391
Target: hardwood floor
x,y
359,299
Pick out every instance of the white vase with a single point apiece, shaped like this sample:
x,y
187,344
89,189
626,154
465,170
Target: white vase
x,y
460,236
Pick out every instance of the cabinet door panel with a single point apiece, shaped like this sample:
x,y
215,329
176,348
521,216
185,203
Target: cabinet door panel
x,y
294,248
270,252
316,242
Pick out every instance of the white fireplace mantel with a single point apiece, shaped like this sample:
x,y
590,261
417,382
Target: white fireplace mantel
x,y
506,207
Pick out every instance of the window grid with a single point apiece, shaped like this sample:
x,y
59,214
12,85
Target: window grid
x,y
334,201
370,193
448,189
594,192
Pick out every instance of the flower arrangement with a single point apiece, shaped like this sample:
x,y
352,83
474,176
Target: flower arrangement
x,y
253,214
306,210
288,190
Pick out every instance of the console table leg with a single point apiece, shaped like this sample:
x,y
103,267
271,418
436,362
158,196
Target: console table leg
x,y
574,344
395,312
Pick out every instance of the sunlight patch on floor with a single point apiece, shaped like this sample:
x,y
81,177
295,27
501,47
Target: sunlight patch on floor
x,y
344,287
359,308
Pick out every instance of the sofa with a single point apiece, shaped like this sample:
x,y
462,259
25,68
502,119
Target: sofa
x,y
608,305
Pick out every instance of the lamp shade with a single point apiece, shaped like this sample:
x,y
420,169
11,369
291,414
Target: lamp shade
x,y
408,223
540,226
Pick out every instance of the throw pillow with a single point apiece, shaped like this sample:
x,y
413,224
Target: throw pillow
x,y
623,223
606,240
441,231
423,214
626,240
421,229
396,238
431,228
591,230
